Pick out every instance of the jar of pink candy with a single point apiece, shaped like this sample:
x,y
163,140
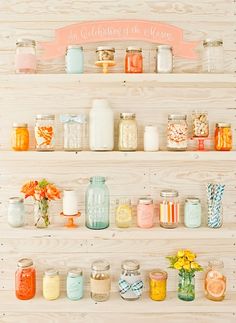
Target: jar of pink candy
x,y
177,132
25,58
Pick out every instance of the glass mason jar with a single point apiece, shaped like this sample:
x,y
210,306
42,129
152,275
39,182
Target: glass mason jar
x,y
128,132
20,137
133,60
213,56
73,131
51,284
105,53
25,58
192,212
169,209
177,132
215,281
44,132
151,138
16,212
145,213
186,288
164,60
25,279
157,284
130,282
100,281
200,124
123,213
74,59
75,284
223,137
97,204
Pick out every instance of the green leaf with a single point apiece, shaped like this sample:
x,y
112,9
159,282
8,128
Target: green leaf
x,y
43,183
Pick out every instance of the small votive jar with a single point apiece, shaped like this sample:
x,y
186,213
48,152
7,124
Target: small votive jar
x,y
100,281
169,209
16,212
75,284
145,213
157,285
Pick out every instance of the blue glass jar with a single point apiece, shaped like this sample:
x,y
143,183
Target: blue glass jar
x,y
192,213
75,284
97,204
74,59
16,212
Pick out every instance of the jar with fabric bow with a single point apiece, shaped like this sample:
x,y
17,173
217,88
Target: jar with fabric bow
x,y
74,131
130,282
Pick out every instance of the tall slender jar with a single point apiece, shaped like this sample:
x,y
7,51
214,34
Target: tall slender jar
x,y
213,56
177,132
20,137
100,281
45,132
25,58
51,284
101,126
123,213
16,212
192,212
215,281
151,139
164,61
145,213
97,204
128,132
75,284
169,209
133,60
74,59
25,279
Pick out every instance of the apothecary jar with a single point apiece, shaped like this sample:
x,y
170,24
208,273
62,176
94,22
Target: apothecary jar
x,y
100,280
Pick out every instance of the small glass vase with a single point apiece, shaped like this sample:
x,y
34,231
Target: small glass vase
x,y
41,216
186,288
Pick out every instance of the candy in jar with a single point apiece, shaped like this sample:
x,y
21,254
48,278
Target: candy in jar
x,y
169,209
44,132
133,60
223,137
20,137
145,213
130,282
157,285
123,213
200,124
177,132
215,281
25,279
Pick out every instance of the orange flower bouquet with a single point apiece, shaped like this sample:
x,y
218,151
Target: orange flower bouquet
x,y
42,192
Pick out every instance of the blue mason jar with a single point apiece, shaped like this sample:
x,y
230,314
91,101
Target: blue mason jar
x,y
16,212
192,213
75,284
74,59
97,204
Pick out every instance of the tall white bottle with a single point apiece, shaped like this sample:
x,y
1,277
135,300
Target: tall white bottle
x,y
101,126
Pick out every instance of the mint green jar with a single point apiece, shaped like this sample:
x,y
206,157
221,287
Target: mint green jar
x,y
75,284
192,213
74,59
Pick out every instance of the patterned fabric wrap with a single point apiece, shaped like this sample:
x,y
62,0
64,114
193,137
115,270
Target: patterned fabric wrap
x,y
80,118
136,287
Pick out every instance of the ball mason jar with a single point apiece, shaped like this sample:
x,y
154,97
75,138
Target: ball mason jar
x,y
25,279
74,59
100,280
128,132
51,284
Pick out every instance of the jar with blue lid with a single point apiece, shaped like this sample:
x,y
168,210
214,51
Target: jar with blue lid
x,y
192,212
75,284
74,59
16,212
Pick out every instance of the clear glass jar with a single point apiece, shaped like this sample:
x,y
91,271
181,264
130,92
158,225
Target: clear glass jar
x,y
157,285
192,212
213,56
100,281
177,132
51,284
133,60
164,60
97,204
75,284
151,138
169,209
16,212
186,286
123,213
145,213
105,53
45,132
200,124
25,58
25,279
223,137
128,132
130,282
74,59
215,281
20,137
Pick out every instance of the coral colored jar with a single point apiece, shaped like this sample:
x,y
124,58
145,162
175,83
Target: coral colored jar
x,y
145,213
25,58
20,137
157,285
215,281
223,137
133,60
25,279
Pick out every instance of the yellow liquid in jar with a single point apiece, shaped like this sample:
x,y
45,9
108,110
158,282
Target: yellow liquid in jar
x,y
51,287
123,216
157,289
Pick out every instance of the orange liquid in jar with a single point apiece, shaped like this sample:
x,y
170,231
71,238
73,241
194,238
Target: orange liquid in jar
x,y
134,62
215,285
20,139
25,281
223,138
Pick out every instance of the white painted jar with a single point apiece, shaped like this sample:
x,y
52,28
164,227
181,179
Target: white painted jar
x,y
70,202
164,61
101,126
151,138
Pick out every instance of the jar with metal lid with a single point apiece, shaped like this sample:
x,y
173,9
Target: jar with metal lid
x,y
164,59
192,212
213,56
16,212
130,282
223,137
177,132
105,53
51,284
133,60
74,59
25,58
75,284
145,213
157,285
123,213
45,132
215,281
169,209
200,124
20,137
100,280
25,279
128,132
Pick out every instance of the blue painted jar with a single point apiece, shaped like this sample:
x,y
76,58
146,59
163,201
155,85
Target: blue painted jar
x,y
16,212
74,59
192,213
75,284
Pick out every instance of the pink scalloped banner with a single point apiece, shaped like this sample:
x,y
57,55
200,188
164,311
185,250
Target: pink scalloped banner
x,y
118,30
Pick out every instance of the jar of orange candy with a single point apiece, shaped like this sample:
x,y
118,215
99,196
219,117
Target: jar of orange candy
x,y
20,137
133,60
25,279
223,137
44,132
157,284
215,281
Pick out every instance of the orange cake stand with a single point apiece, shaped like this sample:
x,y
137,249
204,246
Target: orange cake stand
x,y
105,65
70,224
201,142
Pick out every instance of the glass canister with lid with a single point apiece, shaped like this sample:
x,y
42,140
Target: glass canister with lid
x,y
75,284
215,281
45,132
213,56
100,280
128,132
123,213
145,213
223,137
157,284
51,284
74,59
192,212
25,58
169,209
133,60
200,124
16,212
164,60
20,137
25,279
130,282
177,132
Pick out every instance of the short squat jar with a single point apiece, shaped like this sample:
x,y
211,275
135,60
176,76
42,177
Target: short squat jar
x,y
74,59
130,282
145,213
25,279
25,58
51,284
177,132
105,53
164,60
20,137
16,212
213,56
123,213
133,60
100,281
45,132
75,284
157,285
169,209
128,132
192,212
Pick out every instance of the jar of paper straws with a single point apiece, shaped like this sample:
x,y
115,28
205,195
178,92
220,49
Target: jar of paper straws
x,y
214,200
